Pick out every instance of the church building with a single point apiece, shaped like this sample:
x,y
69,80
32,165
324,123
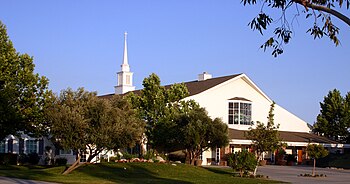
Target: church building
x,y
240,103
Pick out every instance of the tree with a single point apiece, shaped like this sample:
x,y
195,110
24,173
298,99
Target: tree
x,y
23,93
81,121
320,11
265,138
197,132
316,151
333,121
242,161
155,102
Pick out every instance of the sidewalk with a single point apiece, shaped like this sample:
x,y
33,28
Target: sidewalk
x,y
6,180
291,174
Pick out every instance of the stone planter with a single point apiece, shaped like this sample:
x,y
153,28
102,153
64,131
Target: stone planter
x,y
262,162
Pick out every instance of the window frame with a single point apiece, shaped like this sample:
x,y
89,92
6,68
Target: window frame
x,y
30,145
239,112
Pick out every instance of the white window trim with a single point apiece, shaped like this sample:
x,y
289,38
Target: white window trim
x,y
239,112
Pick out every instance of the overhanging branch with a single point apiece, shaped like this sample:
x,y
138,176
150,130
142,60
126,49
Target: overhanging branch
x,y
333,12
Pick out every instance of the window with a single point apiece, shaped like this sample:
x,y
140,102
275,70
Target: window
x,y
83,157
232,148
239,113
31,146
217,155
128,82
2,147
65,152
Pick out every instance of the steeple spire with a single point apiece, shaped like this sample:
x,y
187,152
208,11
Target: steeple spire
x,y
124,76
125,66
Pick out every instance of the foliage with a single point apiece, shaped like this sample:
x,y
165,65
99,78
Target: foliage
x,y
23,93
8,159
321,13
155,102
31,158
192,131
132,173
243,161
265,138
60,161
335,160
81,121
150,154
334,118
316,151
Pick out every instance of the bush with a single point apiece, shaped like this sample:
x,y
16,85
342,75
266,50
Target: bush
x,y
149,155
8,159
242,161
60,161
33,158
113,159
22,159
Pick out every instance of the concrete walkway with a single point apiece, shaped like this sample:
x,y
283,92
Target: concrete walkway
x,y
5,180
291,174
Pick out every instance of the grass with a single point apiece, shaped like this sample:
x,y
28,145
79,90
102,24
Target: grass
x,y
129,173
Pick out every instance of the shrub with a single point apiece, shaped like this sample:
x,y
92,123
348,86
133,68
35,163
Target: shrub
x,y
113,159
22,159
8,159
128,156
242,161
60,161
149,154
33,158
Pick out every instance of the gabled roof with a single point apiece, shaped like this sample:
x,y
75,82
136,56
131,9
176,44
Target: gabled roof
x,y
194,87
286,136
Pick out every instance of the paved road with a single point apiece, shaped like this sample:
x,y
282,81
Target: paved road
x,y
5,180
290,174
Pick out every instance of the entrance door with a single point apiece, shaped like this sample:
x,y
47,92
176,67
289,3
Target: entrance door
x,y
300,156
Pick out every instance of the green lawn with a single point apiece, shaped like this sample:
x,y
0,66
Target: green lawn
x,y
129,173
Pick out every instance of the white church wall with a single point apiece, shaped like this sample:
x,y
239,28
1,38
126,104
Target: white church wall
x,y
216,99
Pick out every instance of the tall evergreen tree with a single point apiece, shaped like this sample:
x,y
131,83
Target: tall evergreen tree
x,y
333,120
23,93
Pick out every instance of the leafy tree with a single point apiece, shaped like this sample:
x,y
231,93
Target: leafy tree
x,y
197,132
265,138
23,93
316,151
81,121
333,120
155,102
320,11
242,161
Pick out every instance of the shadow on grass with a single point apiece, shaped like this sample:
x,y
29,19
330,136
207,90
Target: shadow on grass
x,y
25,172
125,173
220,170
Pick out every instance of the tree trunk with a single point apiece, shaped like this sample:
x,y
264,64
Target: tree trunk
x,y
74,166
257,164
313,170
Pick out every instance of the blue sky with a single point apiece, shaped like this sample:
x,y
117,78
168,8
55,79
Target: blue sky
x,y
80,44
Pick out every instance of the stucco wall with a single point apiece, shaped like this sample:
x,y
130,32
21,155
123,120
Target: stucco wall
x,y
216,99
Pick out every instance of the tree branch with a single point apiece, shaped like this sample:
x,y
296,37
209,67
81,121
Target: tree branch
x,y
337,14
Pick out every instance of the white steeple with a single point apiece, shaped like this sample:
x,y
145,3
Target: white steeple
x,y
125,66
124,76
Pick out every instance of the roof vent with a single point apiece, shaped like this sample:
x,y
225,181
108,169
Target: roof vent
x,y
204,76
